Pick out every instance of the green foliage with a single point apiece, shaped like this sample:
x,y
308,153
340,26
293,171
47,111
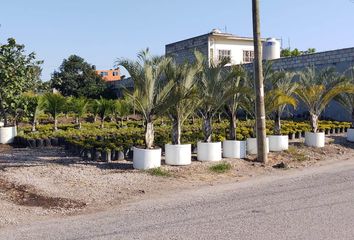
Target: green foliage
x,y
104,108
54,104
287,52
221,167
19,72
77,78
150,90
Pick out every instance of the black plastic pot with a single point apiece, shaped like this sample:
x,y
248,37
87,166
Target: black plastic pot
x,y
46,142
291,136
54,141
106,155
39,143
298,135
31,143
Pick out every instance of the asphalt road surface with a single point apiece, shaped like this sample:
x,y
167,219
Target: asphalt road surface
x,y
315,203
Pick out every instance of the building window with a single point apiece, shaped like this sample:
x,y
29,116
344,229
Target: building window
x,y
103,74
248,56
115,73
224,54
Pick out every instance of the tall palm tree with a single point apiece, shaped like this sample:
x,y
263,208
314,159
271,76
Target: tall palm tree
x,y
79,107
212,93
182,100
54,104
259,89
317,88
239,89
150,90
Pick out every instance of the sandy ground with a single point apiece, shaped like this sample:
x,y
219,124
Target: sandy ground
x,y
42,183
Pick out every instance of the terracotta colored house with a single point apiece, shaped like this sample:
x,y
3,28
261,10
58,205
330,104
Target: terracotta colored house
x,y
110,75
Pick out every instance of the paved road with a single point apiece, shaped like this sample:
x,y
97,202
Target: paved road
x,y
316,203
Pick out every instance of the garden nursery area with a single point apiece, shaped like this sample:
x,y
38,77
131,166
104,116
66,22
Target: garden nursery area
x,y
181,127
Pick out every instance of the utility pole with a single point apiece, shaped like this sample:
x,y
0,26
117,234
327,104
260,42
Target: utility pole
x,y
259,87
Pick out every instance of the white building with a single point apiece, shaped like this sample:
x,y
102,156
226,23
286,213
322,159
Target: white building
x,y
216,45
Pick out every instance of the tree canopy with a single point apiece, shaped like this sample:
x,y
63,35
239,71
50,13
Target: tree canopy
x,y
77,78
19,72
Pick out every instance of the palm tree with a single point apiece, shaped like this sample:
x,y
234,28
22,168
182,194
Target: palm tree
x,y
150,90
104,109
274,99
32,105
259,89
79,107
212,93
54,104
121,109
347,99
282,83
239,89
317,88
182,100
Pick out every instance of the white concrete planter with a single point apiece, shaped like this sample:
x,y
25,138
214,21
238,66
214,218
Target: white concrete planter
x,y
278,143
146,158
315,139
350,134
252,145
178,154
209,151
234,149
7,134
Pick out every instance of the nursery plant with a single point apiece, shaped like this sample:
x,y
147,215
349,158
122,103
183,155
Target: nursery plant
x,y
104,109
150,89
18,72
281,83
182,100
31,105
212,92
54,104
79,106
317,87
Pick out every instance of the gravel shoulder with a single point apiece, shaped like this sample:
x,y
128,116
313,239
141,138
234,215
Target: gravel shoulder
x,y
36,184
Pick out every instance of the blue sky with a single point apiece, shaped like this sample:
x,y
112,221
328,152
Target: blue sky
x,y
102,31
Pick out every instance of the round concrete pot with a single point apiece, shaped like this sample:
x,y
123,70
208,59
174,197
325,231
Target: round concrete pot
x,y
278,143
146,158
252,145
209,151
350,134
7,134
178,154
315,139
234,149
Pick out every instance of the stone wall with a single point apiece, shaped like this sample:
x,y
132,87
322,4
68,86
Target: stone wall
x,y
184,50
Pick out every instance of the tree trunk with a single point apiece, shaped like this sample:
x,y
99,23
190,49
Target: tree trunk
x,y
4,114
176,132
258,73
277,124
149,134
314,122
102,123
353,118
207,128
79,125
33,125
233,125
76,120
55,123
